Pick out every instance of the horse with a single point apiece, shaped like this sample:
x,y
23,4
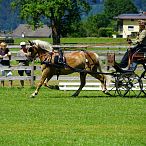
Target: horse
x,y
83,62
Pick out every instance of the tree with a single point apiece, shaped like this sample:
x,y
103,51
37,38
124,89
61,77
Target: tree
x,y
71,21
55,11
93,23
105,32
113,8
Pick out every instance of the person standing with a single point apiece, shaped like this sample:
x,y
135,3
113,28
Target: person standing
x,y
22,53
5,56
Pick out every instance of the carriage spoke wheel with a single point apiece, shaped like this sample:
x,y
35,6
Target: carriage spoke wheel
x,y
143,78
129,85
112,88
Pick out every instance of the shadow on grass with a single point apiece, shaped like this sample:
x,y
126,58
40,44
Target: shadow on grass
x,y
55,93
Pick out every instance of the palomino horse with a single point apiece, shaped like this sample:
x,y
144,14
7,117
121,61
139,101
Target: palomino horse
x,y
81,61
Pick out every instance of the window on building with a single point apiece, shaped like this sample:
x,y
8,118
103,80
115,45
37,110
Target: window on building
x,y
130,28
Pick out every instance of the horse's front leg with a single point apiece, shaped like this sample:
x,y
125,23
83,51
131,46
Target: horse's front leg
x,y
82,83
45,74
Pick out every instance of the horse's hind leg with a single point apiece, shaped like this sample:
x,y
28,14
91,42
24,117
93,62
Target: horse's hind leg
x,y
102,79
82,83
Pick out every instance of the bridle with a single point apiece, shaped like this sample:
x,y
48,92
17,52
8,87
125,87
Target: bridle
x,y
29,55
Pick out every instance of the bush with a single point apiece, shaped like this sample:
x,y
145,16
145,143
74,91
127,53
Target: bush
x,y
105,32
8,40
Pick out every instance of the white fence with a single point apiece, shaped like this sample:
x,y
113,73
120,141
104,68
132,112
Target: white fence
x,y
63,84
16,68
89,86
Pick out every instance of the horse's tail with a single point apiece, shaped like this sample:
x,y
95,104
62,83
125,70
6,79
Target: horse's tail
x,y
98,62
100,68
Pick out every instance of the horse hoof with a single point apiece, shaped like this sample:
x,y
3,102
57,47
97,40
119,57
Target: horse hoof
x,y
106,92
74,95
32,96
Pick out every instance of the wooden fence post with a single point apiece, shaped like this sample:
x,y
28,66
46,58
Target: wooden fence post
x,y
32,74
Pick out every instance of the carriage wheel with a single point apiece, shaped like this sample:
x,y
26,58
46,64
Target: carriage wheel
x,y
143,78
112,88
129,85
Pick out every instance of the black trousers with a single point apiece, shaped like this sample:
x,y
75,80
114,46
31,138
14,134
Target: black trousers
x,y
124,61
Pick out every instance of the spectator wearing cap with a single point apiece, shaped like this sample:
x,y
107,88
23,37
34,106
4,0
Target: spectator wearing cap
x,y
5,56
138,43
22,53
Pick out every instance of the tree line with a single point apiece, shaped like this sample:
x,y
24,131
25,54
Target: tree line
x,y
65,16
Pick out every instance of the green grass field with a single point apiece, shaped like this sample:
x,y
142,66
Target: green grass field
x,y
92,42
86,40
54,118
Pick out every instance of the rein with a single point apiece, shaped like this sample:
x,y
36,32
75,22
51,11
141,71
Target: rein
x,y
49,63
85,71
74,69
89,56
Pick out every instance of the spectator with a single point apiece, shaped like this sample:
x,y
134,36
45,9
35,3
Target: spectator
x,y
22,53
5,53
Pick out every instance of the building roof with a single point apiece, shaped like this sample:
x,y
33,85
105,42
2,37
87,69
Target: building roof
x,y
27,31
132,16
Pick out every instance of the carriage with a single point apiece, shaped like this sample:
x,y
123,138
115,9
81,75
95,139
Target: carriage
x,y
126,82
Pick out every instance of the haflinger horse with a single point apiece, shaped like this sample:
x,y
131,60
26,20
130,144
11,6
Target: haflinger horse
x,y
83,62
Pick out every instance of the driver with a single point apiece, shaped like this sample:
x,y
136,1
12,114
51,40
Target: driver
x,y
138,43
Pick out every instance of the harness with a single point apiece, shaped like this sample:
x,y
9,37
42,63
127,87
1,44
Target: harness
x,y
59,65
87,55
58,62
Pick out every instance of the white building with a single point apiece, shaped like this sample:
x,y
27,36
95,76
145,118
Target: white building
x,y
128,24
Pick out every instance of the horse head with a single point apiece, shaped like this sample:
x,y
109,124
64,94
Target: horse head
x,y
32,51
38,48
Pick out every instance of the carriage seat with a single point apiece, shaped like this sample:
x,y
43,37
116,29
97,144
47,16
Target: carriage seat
x,y
139,57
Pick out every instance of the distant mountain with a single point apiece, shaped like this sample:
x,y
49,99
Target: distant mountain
x,y
9,19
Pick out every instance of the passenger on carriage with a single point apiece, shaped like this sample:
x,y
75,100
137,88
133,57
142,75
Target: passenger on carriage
x,y
138,43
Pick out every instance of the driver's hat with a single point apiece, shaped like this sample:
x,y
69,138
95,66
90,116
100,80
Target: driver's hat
x,y
22,44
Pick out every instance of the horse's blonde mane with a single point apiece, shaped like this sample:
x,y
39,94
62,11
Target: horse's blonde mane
x,y
43,44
